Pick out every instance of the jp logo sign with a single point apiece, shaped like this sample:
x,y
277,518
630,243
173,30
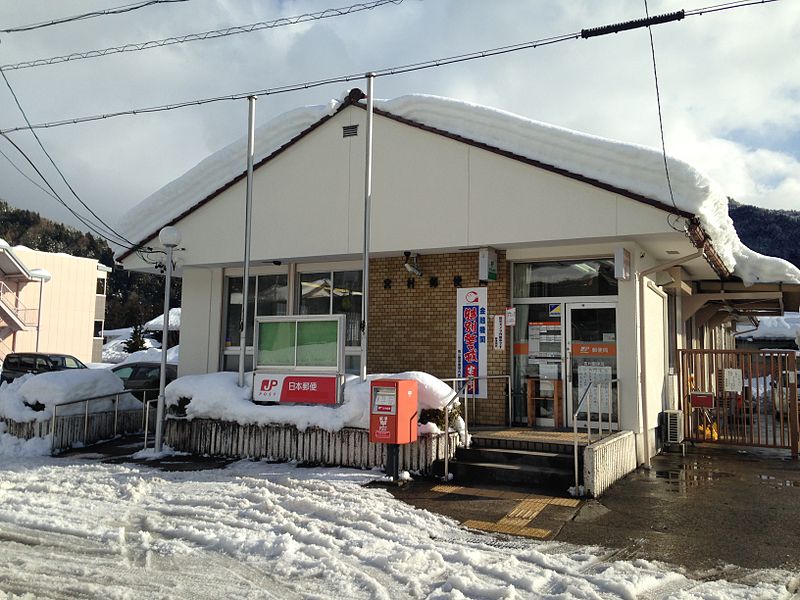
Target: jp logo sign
x,y
267,385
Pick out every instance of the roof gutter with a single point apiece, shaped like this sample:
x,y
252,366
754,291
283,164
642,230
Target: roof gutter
x,y
640,275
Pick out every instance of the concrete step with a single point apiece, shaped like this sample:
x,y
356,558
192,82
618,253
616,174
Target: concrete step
x,y
479,441
558,460
551,478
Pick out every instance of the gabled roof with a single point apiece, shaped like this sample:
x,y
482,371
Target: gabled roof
x,y
626,169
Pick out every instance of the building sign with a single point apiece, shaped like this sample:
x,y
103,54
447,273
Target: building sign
x,y
487,264
594,349
499,337
554,310
733,380
471,334
511,316
295,389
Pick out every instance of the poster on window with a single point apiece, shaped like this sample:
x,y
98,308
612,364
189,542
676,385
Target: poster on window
x,y
471,334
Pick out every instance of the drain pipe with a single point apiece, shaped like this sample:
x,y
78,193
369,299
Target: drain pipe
x,y
640,275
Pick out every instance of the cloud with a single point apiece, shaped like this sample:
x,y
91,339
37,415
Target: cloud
x,y
729,82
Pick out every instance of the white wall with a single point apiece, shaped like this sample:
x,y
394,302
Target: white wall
x,y
201,315
430,193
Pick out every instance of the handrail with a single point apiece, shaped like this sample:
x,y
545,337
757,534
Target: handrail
x,y
19,309
456,395
592,384
114,397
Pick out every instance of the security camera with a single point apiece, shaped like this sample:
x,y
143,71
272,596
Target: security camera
x,y
412,267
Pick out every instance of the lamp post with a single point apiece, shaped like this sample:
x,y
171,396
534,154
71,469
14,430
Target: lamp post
x,y
169,237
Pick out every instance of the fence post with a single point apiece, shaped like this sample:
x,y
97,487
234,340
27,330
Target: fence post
x,y
794,435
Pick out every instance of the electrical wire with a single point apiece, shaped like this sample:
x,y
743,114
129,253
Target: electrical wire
x,y
110,230
90,15
26,176
206,35
56,195
429,64
671,218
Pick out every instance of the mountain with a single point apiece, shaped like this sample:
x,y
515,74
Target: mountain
x,y
771,232
131,298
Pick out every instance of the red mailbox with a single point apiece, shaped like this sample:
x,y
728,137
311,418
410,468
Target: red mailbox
x,y
393,411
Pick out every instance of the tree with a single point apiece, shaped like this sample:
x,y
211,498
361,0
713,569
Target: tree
x,y
136,341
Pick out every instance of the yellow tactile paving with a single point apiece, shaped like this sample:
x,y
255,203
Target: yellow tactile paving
x,y
479,493
527,509
518,519
509,527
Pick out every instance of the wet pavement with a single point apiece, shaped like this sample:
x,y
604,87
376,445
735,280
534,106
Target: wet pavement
x,y
709,508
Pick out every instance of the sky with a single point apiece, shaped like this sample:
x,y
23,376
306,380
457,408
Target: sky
x,y
729,84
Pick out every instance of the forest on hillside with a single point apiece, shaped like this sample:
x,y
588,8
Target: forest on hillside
x,y
132,298
771,232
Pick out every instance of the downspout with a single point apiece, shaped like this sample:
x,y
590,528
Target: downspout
x,y
640,275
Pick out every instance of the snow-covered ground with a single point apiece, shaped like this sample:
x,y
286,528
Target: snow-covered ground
x,y
78,528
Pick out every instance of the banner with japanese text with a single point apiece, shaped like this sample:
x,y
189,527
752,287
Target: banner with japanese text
x,y
471,334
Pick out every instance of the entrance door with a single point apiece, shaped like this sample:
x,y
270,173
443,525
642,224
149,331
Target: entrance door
x,y
538,365
591,345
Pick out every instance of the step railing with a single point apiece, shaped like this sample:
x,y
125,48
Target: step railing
x,y
593,385
115,397
468,390
27,316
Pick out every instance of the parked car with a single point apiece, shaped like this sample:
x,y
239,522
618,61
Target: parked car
x,y
141,376
17,364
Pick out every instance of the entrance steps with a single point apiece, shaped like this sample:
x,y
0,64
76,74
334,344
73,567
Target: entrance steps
x,y
522,457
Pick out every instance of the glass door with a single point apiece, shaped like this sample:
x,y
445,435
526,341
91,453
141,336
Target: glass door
x,y
538,365
591,330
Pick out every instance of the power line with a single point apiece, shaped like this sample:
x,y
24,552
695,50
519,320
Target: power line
x,y
58,170
89,15
399,70
55,194
661,121
206,35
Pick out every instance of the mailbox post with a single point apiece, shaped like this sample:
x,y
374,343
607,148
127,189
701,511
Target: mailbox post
x,y
393,418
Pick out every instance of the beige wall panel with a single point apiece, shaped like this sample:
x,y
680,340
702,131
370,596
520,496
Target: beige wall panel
x,y
514,202
420,189
198,325
68,304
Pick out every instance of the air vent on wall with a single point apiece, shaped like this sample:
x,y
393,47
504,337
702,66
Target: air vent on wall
x,y
349,131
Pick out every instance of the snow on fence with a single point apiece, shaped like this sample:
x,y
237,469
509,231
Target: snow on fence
x,y
349,447
76,430
607,461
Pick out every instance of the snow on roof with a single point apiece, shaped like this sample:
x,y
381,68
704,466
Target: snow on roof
x,y
157,324
631,167
786,327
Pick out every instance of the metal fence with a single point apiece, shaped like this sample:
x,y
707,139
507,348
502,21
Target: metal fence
x,y
740,397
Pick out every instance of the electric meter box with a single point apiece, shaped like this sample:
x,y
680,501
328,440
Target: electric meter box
x,y
393,411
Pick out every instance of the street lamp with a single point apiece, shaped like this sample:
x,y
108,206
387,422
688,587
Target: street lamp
x,y
169,237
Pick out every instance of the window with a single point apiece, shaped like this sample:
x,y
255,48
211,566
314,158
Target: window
x,y
594,277
98,329
101,286
271,292
124,373
334,293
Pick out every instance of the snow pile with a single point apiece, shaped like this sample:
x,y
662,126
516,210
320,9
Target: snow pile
x,y
630,167
786,327
259,530
60,387
153,355
217,396
157,324
11,446
114,350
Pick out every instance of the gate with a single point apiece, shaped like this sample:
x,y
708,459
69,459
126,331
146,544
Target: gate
x,y
740,397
